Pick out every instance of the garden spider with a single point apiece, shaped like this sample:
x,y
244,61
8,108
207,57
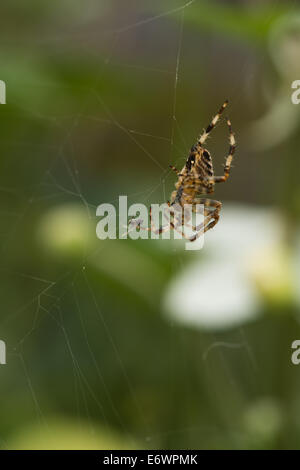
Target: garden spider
x,y
197,178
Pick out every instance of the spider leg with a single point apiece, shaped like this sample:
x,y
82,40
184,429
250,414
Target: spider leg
x,y
212,124
174,169
156,231
175,224
212,210
209,206
229,158
199,229
161,229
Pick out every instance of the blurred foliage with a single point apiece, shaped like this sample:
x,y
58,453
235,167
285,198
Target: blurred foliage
x,y
91,96
59,435
250,21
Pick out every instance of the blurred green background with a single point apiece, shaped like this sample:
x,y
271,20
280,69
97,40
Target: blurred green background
x,y
141,344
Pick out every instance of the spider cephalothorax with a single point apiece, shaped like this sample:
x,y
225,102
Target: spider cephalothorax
x,y
197,178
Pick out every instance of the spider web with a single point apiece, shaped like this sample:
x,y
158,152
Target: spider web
x,y
45,309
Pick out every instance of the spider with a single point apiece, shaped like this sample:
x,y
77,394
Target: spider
x,y
195,179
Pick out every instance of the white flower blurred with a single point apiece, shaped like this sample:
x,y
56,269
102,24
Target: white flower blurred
x,y
240,264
